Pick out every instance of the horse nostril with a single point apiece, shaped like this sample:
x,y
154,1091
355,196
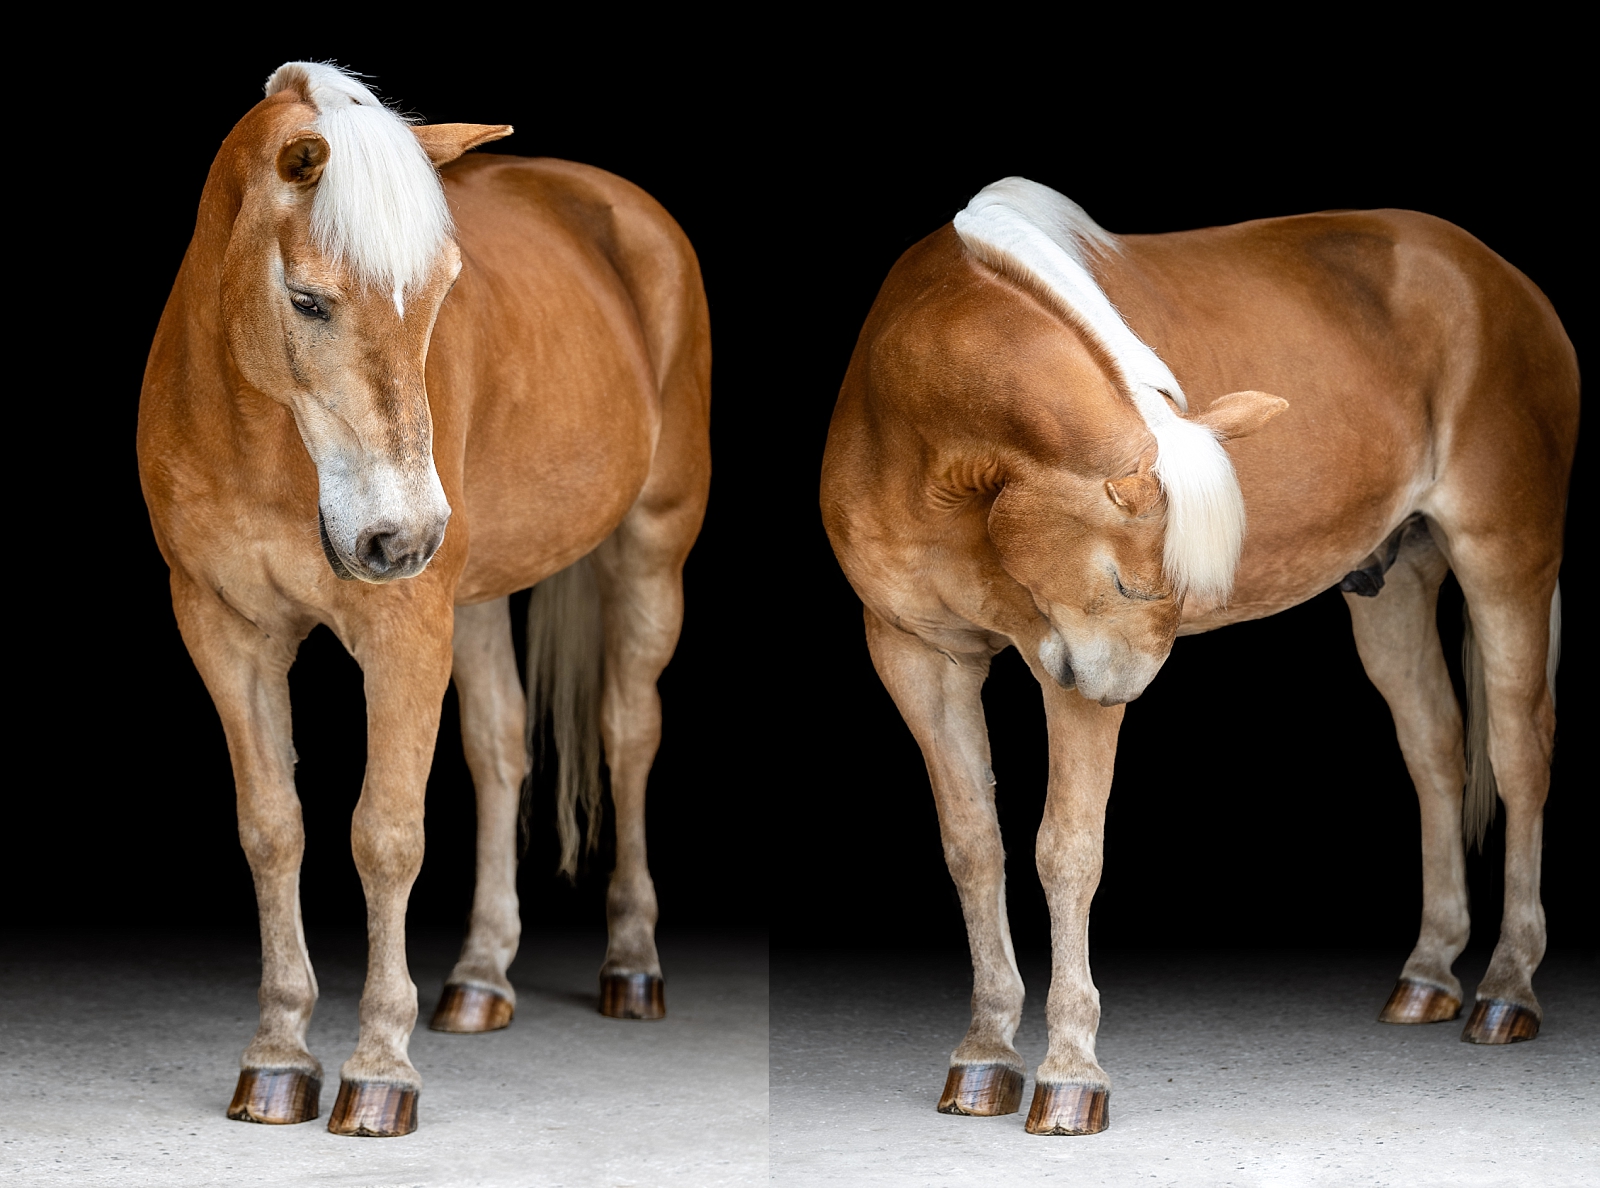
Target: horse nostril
x,y
379,548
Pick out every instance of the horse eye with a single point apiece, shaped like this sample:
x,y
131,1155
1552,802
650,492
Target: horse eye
x,y
307,304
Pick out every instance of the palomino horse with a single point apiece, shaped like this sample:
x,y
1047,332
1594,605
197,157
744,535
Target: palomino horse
x,y
311,377
1013,460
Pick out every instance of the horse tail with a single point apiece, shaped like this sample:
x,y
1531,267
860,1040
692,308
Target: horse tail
x,y
566,641
1477,803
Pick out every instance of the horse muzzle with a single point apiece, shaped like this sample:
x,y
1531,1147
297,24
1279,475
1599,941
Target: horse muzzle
x,y
383,551
1102,673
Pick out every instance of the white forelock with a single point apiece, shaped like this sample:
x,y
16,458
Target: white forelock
x,y
1049,237
379,206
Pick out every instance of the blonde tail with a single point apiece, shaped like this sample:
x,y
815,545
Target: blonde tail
x,y
566,641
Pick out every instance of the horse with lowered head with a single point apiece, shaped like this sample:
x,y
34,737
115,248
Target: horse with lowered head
x,y
1053,438
392,385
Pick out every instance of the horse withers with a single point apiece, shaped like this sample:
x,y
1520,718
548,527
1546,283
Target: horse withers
x,y
392,385
1013,461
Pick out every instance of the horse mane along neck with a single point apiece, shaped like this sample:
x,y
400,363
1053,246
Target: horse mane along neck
x,y
1044,241
379,206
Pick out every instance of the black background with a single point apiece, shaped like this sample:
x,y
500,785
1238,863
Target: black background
x,y
1260,796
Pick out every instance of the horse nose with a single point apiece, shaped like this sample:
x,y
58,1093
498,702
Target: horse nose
x,y
383,547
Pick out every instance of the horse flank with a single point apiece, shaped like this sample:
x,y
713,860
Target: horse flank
x,y
1028,231
379,206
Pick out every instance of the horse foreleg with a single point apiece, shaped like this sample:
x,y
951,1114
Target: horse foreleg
x,y
940,697
1397,636
1072,1092
406,670
246,671
477,995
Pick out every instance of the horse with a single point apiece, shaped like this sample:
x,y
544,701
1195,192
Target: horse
x,y
392,385
1013,461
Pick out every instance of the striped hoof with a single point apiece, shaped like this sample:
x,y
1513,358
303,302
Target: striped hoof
x,y
1419,1002
983,1090
632,996
1069,1109
368,1109
276,1096
1494,1021
468,1010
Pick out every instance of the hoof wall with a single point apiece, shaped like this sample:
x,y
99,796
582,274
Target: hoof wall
x,y
279,1097
467,1010
370,1110
632,996
1419,1002
1069,1109
982,1090
1495,1022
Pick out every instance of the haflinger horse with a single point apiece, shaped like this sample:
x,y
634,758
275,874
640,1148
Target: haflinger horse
x,y
1013,460
372,337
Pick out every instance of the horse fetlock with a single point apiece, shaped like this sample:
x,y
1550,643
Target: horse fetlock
x,y
1072,1067
1431,961
380,1064
987,1046
631,951
487,974
1509,980
631,898
278,1052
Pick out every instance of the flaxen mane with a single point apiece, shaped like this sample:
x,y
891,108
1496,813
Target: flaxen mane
x,y
1031,232
379,206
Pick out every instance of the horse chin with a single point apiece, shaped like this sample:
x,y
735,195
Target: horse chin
x,y
1053,655
340,569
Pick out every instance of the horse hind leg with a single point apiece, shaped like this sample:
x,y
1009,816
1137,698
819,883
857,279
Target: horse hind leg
x,y
640,573
477,995
1397,636
1513,617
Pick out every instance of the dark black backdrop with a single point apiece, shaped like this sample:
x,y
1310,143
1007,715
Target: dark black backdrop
x,y
1260,796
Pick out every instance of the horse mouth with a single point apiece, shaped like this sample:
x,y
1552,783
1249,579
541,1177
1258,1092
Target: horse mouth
x,y
340,571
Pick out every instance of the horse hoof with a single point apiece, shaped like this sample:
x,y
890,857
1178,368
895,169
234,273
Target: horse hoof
x,y
1494,1021
467,1010
983,1090
277,1096
370,1109
1419,1002
632,996
1069,1109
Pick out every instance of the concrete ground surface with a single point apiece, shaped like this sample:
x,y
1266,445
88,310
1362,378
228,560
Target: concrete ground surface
x,y
118,1056
1227,1069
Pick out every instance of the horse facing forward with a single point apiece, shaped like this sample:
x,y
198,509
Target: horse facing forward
x,y
373,337
1014,461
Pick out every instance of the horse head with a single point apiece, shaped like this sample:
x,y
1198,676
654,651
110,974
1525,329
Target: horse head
x,y
1110,552
340,257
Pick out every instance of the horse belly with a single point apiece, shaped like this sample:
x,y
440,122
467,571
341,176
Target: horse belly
x,y
552,466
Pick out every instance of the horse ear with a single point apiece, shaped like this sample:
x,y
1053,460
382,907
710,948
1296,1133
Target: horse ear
x,y
302,158
445,142
1135,493
1240,413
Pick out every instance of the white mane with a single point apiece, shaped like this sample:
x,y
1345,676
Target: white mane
x,y
1045,235
379,205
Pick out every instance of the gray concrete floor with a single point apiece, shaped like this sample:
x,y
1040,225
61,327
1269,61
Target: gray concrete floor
x,y
118,1056
1226,1069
